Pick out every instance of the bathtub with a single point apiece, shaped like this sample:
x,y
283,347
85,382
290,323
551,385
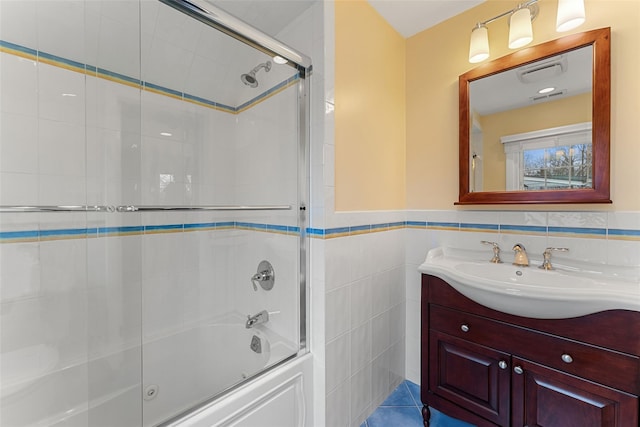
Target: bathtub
x,y
189,368
181,375
281,397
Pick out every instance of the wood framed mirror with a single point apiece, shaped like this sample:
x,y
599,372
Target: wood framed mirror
x,y
522,143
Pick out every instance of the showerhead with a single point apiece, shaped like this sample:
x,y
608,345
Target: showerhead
x,y
250,78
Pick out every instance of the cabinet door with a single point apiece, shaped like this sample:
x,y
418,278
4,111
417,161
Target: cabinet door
x,y
545,397
473,376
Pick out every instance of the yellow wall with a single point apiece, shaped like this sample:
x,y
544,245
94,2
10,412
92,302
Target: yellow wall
x,y
437,56
567,111
370,107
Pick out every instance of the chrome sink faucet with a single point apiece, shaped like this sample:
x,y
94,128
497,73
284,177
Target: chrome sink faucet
x,y
257,319
521,259
546,255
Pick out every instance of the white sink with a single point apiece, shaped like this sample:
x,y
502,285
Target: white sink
x,y
567,291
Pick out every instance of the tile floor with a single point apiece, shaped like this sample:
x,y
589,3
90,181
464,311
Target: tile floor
x,y
403,409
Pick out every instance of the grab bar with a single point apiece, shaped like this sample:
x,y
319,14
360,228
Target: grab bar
x,y
132,208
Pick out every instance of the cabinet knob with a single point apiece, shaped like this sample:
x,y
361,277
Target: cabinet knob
x,y
464,328
566,358
502,364
518,370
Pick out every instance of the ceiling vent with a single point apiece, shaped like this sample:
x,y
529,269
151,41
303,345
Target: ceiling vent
x,y
543,70
548,96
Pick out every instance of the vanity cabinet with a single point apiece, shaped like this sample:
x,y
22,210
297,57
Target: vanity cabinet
x,y
495,369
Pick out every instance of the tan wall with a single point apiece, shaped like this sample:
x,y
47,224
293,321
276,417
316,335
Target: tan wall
x,y
437,56
576,109
370,107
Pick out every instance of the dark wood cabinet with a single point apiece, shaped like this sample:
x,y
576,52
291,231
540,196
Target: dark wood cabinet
x,y
494,369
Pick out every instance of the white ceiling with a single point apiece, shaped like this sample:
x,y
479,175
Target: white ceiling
x,y
409,17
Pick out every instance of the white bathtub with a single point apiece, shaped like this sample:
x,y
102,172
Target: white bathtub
x,y
282,397
190,367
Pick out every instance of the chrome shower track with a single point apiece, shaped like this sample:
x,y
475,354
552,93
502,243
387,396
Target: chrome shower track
x,y
131,208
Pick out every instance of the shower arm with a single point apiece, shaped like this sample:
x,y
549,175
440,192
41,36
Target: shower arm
x,y
265,65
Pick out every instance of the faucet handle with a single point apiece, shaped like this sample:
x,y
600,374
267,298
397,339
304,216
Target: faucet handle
x,y
496,251
548,250
546,255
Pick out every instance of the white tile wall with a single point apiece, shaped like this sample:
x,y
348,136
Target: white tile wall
x,y
364,321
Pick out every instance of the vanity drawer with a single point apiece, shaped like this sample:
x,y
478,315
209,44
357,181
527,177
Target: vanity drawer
x,y
612,368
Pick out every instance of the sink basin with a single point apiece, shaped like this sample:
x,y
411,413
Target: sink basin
x,y
567,291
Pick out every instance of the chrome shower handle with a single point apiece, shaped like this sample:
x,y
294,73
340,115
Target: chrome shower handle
x,y
265,276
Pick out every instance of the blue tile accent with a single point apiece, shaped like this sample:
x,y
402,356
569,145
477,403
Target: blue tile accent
x,y
21,235
59,59
148,228
319,232
403,408
493,227
579,231
68,232
405,416
621,232
524,228
18,48
414,389
337,230
417,224
115,75
120,230
359,228
443,224
401,396
398,224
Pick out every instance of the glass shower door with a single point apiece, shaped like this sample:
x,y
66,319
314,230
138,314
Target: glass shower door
x,y
220,202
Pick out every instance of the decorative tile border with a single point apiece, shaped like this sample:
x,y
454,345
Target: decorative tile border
x,y
316,233
579,232
90,70
95,232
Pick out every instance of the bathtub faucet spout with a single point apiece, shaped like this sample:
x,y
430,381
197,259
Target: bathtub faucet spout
x,y
256,319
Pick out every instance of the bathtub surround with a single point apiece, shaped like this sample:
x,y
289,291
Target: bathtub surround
x,y
121,318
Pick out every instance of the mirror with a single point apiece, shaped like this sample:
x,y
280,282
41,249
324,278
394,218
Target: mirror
x,y
522,144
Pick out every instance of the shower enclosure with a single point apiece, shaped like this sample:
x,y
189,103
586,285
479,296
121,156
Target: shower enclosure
x,y
153,187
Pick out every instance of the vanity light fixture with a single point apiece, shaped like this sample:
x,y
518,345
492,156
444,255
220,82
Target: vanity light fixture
x,y
570,15
520,30
479,47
